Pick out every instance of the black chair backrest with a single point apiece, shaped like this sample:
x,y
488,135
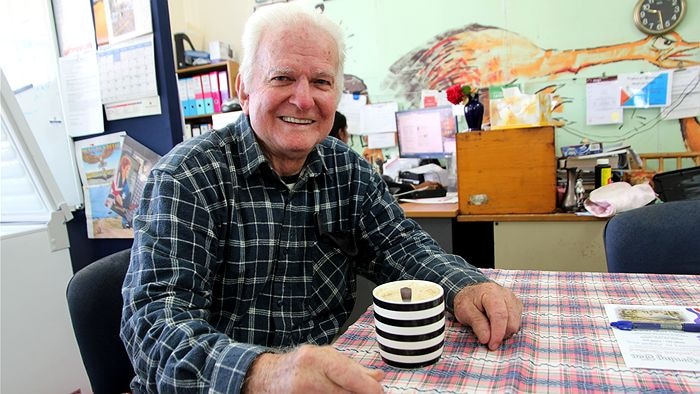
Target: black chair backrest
x,y
95,305
662,239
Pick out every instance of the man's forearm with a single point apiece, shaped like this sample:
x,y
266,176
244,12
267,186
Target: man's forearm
x,y
257,379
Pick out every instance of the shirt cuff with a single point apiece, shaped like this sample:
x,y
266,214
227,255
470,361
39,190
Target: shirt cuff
x,y
454,286
232,366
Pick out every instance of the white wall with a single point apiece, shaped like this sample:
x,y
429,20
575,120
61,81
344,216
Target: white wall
x,y
39,351
210,20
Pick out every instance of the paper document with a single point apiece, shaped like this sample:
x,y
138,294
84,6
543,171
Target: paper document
x,y
133,108
381,140
657,349
644,90
351,106
80,84
126,19
685,94
602,104
379,118
74,28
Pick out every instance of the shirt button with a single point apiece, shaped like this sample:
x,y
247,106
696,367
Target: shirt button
x,y
279,302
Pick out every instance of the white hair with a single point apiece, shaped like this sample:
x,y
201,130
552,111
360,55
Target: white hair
x,y
275,16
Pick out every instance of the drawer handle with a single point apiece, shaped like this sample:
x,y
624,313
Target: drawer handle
x,y
478,199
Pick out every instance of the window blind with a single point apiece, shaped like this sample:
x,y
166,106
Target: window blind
x,y
20,199
28,192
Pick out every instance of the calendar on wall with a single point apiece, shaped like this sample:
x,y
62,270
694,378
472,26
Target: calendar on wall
x,y
127,70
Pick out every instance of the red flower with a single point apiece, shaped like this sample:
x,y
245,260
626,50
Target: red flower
x,y
456,94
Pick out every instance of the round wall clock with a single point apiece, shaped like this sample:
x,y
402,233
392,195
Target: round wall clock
x,y
658,16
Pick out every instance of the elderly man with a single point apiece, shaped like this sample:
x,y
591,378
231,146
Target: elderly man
x,y
248,238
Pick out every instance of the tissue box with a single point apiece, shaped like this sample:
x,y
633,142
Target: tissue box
x,y
521,110
219,50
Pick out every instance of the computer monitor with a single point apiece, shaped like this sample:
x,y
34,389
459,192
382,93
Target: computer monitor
x,y
426,133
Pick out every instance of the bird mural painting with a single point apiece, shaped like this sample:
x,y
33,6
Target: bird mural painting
x,y
485,56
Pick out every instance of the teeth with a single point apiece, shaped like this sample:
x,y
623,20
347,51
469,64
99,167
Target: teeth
x,y
296,120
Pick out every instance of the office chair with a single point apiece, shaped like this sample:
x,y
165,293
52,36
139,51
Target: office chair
x,y
95,305
662,238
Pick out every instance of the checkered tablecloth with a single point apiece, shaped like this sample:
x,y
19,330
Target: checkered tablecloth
x,y
565,343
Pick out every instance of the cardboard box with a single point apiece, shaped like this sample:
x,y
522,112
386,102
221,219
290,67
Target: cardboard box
x,y
506,171
219,50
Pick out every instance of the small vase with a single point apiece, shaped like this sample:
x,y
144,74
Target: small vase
x,y
570,202
474,113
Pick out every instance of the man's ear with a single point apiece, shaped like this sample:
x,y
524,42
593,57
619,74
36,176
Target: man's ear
x,y
241,93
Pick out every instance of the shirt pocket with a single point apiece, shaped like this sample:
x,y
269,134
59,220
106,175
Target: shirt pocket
x,y
333,280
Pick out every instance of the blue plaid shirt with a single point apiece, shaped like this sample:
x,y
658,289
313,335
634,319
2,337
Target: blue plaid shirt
x,y
229,262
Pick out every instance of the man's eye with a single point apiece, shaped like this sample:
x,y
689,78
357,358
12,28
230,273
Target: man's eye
x,y
323,82
281,78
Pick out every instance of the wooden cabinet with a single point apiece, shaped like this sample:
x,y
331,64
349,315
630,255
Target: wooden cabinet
x,y
198,100
506,171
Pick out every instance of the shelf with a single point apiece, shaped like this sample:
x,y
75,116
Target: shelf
x,y
231,69
201,117
228,65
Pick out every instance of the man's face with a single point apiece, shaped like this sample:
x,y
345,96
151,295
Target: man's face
x,y
292,100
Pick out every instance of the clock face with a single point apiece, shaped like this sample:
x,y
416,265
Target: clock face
x,y
658,16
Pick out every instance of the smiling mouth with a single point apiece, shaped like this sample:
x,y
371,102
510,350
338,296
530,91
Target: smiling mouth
x,y
290,119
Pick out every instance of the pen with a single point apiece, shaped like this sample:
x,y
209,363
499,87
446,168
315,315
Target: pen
x,y
630,325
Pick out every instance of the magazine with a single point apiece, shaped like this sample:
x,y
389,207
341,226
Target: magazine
x,y
113,189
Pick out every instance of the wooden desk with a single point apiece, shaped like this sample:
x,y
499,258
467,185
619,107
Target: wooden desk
x,y
529,217
548,242
437,219
565,343
413,210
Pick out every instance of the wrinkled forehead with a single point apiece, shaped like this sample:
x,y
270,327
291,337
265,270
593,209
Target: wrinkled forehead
x,y
307,38
290,50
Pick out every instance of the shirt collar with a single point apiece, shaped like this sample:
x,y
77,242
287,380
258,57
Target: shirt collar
x,y
252,157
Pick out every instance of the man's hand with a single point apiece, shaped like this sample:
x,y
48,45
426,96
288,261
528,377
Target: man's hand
x,y
311,369
493,312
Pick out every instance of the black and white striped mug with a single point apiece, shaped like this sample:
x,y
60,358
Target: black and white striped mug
x,y
409,317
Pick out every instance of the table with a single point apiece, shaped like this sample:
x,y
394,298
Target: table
x,y
437,219
565,344
417,210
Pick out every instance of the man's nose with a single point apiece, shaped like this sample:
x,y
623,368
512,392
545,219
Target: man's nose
x,y
302,96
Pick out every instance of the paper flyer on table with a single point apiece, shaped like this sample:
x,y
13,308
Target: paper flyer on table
x,y
657,349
